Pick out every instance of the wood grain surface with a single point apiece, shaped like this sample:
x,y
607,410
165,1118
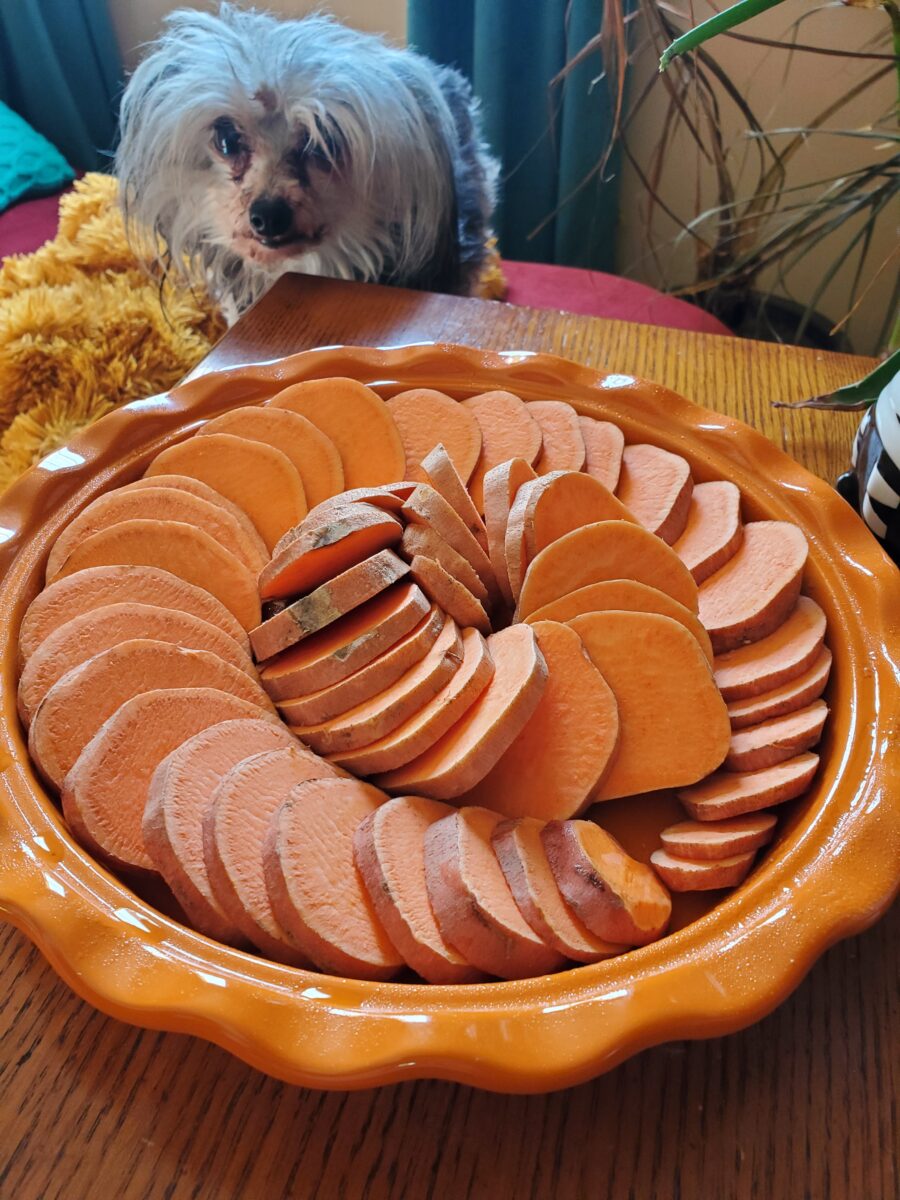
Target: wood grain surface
x,y
802,1106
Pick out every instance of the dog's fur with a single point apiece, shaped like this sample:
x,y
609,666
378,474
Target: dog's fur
x,y
376,151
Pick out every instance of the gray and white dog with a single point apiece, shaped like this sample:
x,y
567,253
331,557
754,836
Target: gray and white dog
x,y
252,146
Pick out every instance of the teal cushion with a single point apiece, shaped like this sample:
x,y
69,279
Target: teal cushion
x,y
29,164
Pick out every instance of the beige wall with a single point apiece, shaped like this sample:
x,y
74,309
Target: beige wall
x,y
139,21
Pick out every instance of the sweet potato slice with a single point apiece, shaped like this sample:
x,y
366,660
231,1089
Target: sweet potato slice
x,y
471,900
157,504
451,595
606,550
731,794
562,445
576,726
673,725
347,645
313,454
782,657
603,447
352,533
105,792
389,849
425,417
773,741
523,860
196,487
439,470
785,699
388,496
357,421
756,590
235,825
656,485
434,718
183,550
180,793
686,875
471,747
97,630
316,892
429,508
422,541
78,704
627,595
713,531
257,478
327,603
383,672
508,430
549,508
618,898
374,718
719,839
501,486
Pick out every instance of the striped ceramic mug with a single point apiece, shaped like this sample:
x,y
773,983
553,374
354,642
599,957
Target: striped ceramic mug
x,y
873,485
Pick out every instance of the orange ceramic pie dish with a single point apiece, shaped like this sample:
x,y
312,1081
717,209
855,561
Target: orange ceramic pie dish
x,y
834,869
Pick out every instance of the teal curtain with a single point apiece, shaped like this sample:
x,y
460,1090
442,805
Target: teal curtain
x,y
61,70
548,140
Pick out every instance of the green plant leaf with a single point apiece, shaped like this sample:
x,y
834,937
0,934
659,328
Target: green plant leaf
x,y
854,395
743,11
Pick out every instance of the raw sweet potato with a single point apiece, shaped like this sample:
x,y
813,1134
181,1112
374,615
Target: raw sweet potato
x,y
422,541
159,504
501,486
785,699
523,860
713,531
656,485
471,747
78,704
235,825
508,431
425,417
180,793
97,630
433,719
351,534
618,898
316,892
607,550
778,659
96,587
439,470
702,842
451,595
327,603
427,507
105,792
686,875
376,717
257,478
603,447
347,645
731,794
773,741
673,725
563,752
562,446
627,595
314,455
389,849
357,421
756,590
383,672
183,550
471,900
388,496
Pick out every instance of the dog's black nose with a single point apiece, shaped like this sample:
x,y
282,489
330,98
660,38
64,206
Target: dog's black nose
x,y
270,217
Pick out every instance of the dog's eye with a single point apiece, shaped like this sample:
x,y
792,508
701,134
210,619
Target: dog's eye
x,y
227,139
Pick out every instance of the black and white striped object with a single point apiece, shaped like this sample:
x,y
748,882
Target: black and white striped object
x,y
876,465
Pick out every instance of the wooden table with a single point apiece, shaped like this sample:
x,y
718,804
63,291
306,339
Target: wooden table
x,y
803,1106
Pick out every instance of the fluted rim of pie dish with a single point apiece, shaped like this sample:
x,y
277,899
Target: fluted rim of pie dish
x,y
831,875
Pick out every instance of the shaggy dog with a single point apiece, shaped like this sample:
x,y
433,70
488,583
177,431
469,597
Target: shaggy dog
x,y
252,146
